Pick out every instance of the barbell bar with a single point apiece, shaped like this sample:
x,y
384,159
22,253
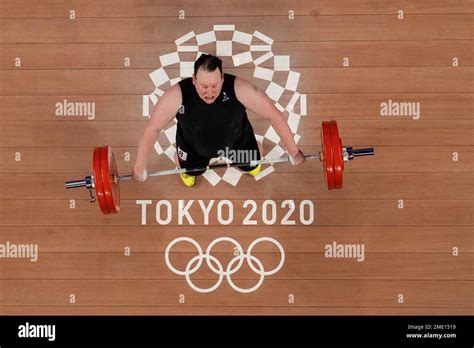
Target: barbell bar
x,y
105,179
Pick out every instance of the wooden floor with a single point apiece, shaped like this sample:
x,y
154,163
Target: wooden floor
x,y
411,206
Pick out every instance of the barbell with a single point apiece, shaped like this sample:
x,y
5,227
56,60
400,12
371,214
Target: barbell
x,y
105,180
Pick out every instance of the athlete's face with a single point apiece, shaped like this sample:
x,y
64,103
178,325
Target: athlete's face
x,y
208,84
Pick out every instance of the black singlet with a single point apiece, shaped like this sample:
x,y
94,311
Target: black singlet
x,y
204,129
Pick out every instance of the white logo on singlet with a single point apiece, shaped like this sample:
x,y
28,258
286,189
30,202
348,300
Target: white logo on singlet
x,y
225,97
181,154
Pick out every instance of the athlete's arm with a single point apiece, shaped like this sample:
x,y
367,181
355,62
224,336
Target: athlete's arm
x,y
164,111
258,102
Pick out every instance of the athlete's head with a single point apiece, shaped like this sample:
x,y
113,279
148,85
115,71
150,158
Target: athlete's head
x,y
208,77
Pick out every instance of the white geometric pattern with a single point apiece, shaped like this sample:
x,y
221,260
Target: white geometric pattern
x,y
187,43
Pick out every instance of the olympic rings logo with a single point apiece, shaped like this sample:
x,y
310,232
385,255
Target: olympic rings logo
x,y
229,271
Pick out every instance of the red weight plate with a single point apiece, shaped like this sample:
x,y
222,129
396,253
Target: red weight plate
x,y
99,187
104,174
328,164
108,169
115,184
337,155
343,168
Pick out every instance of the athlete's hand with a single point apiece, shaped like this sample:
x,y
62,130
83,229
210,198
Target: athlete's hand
x,y
139,175
298,158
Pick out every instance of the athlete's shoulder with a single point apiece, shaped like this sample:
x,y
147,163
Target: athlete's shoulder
x,y
242,85
173,95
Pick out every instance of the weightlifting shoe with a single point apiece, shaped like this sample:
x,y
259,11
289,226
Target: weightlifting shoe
x,y
254,172
188,180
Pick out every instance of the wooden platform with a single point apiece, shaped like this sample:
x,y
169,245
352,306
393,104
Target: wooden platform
x,y
410,206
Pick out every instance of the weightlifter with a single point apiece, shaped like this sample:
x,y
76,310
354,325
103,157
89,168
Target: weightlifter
x,y
211,111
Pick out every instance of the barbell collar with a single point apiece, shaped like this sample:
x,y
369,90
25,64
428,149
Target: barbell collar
x,y
87,182
350,153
